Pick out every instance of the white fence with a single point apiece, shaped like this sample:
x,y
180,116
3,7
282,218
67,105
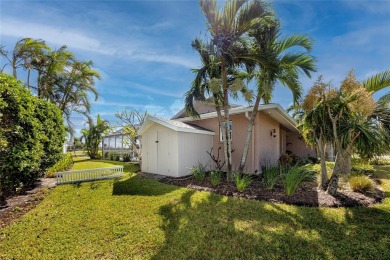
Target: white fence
x,y
89,175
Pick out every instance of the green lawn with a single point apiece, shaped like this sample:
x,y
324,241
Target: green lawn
x,y
134,217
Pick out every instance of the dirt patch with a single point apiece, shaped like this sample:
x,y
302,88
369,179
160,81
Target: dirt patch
x,y
26,200
308,194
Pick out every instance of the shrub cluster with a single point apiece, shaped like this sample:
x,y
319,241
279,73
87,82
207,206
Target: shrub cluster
x,y
62,165
32,135
117,156
242,181
199,172
361,184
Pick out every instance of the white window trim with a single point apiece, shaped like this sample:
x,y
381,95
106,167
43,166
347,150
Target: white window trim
x,y
231,131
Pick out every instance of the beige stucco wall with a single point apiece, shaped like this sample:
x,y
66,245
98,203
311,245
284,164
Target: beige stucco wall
x,y
298,146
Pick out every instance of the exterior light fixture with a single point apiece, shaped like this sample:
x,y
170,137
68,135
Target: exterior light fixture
x,y
273,133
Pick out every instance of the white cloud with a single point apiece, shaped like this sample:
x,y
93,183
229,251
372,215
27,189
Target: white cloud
x,y
376,7
176,106
154,90
72,38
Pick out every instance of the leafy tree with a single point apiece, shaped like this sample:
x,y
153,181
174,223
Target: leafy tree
x,y
94,136
337,116
130,121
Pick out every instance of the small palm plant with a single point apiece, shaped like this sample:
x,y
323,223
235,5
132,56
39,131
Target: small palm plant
x,y
199,172
270,175
215,178
242,181
294,176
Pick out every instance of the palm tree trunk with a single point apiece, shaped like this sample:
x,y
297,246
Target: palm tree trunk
x,y
225,129
28,79
249,135
337,171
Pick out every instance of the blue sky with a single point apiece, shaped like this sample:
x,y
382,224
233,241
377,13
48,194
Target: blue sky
x,y
143,48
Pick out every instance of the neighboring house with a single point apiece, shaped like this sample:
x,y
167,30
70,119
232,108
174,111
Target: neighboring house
x,y
172,147
114,142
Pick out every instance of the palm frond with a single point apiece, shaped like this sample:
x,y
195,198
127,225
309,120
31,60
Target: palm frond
x,y
378,81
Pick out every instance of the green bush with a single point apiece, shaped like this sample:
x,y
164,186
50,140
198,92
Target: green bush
x,y
106,155
62,165
112,156
270,175
294,176
199,172
215,178
34,132
242,181
362,168
361,184
126,157
117,157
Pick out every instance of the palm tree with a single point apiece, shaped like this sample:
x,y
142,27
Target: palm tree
x,y
287,65
228,29
378,82
23,54
94,135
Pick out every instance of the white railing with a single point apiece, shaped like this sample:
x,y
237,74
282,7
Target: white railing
x,y
89,175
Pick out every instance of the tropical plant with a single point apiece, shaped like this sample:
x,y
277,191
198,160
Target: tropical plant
x,y
294,176
242,181
270,175
215,178
199,172
229,28
287,64
361,184
94,135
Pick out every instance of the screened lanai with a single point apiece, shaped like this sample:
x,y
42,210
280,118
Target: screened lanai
x,y
117,142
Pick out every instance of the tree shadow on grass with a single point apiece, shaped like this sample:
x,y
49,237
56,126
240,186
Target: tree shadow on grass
x,y
136,185
202,225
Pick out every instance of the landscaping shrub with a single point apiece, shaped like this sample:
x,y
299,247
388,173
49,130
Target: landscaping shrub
x,y
270,175
294,176
126,157
361,184
117,157
112,156
242,181
34,132
62,165
106,155
215,178
199,172
362,168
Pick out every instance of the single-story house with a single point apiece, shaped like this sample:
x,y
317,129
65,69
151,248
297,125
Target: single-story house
x,y
172,147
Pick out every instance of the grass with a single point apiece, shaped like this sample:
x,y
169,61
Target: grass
x,y
135,217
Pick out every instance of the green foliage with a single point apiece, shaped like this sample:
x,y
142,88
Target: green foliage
x,y
35,129
361,184
294,176
117,157
199,172
362,168
242,181
126,157
106,155
215,178
270,175
62,165
93,136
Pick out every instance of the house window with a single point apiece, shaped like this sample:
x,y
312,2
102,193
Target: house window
x,y
231,131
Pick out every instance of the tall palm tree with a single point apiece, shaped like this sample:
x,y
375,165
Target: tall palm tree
x,y
23,54
287,64
378,82
228,30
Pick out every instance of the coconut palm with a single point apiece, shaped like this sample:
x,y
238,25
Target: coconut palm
x,y
228,30
287,64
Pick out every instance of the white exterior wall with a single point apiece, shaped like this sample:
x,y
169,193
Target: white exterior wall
x,y
175,152
193,150
161,157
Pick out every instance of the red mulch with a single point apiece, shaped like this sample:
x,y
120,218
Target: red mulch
x,y
308,194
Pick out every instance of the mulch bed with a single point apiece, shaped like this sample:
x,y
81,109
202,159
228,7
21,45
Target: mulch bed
x,y
24,201
308,194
